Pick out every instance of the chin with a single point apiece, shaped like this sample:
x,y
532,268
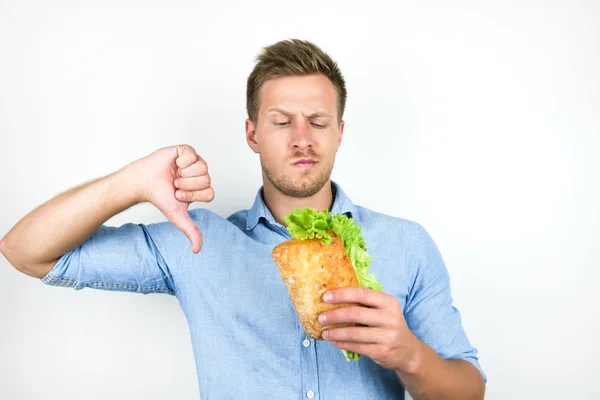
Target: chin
x,y
302,188
297,183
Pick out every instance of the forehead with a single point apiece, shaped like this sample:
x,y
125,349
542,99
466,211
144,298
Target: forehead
x,y
306,93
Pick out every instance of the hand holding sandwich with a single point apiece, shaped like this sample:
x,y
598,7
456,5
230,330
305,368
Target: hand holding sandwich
x,y
325,269
382,334
327,252
385,338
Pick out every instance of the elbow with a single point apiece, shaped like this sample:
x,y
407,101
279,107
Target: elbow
x,y
36,271
6,252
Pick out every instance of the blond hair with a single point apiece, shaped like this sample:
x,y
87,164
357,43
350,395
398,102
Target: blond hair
x,y
292,57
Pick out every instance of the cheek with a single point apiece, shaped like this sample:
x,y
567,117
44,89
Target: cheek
x,y
271,151
331,145
273,144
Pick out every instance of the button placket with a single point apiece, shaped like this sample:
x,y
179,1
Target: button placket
x,y
308,366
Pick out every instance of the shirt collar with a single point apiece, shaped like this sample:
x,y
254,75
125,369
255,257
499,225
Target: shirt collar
x,y
259,210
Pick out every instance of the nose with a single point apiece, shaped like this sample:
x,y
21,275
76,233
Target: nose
x,y
301,135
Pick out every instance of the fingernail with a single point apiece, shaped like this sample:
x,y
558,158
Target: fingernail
x,y
180,195
325,334
322,318
327,297
176,184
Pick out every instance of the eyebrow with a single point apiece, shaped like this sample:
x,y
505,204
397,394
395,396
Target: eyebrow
x,y
279,110
316,114
319,114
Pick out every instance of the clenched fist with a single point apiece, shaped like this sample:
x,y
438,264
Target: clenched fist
x,y
171,178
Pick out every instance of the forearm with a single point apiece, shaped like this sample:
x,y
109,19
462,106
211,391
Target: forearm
x,y
62,224
431,377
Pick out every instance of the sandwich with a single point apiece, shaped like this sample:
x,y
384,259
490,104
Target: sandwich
x,y
326,252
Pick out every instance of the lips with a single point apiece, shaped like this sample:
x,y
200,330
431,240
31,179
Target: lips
x,y
305,163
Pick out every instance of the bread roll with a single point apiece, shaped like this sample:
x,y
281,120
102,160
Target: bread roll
x,y
308,269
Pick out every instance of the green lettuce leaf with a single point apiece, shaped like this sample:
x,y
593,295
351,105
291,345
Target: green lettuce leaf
x,y
309,223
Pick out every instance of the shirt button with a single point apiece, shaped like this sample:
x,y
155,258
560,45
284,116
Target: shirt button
x,y
306,343
310,394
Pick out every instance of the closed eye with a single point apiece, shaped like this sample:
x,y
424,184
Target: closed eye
x,y
318,125
282,123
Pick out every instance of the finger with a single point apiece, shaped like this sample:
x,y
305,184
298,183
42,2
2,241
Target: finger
x,y
193,184
196,169
356,334
206,195
181,219
353,314
361,295
186,156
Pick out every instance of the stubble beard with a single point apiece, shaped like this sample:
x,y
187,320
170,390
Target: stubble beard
x,y
307,185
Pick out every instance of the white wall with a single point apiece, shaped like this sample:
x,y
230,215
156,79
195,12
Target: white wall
x,y
478,120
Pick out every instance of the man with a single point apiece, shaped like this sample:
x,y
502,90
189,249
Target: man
x,y
246,336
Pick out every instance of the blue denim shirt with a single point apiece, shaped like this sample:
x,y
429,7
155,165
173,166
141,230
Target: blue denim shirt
x,y
245,333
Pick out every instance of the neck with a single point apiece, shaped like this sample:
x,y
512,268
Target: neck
x,y
281,204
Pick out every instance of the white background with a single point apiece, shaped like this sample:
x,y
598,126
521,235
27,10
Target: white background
x,y
479,120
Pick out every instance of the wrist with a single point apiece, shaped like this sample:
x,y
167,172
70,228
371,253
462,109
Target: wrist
x,y
413,364
128,185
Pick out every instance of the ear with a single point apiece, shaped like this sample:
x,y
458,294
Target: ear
x,y
251,135
341,134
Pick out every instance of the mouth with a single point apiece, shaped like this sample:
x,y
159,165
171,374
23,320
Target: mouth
x,y
304,163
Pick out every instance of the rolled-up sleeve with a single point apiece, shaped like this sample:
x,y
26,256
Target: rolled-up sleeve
x,y
131,258
429,312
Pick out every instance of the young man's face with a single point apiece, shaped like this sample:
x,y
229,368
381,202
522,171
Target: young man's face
x,y
297,133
